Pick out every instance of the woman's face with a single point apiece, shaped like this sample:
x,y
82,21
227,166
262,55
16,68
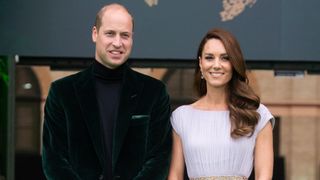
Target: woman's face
x,y
215,65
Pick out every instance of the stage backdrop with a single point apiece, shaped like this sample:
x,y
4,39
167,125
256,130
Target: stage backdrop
x,y
164,29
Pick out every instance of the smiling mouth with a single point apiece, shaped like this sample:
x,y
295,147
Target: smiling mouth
x,y
116,52
216,74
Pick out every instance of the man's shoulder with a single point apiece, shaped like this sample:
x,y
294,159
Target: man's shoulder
x,y
148,80
70,79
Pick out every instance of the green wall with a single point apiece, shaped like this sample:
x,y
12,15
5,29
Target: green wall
x,y
3,112
7,109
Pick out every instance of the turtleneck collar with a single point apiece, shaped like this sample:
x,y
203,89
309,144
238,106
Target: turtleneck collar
x,y
104,73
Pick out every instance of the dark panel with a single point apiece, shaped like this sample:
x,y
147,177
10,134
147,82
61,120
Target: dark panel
x,y
273,29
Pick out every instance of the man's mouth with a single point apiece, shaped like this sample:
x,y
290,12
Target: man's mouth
x,y
116,52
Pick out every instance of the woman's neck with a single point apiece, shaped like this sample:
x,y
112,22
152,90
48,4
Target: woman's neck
x,y
213,100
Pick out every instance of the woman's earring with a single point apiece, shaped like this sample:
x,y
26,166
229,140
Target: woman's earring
x,y
201,76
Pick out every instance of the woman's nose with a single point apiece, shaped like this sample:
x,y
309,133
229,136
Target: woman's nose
x,y
216,63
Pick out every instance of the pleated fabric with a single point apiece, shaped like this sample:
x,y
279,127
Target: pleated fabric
x,y
208,147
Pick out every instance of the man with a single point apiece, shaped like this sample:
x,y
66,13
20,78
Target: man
x,y
108,121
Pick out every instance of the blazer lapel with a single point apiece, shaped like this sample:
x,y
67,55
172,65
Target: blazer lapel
x,y
86,96
130,94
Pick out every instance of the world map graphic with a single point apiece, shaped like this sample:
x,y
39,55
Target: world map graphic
x,y
231,8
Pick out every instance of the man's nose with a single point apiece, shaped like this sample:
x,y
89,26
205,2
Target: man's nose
x,y
117,41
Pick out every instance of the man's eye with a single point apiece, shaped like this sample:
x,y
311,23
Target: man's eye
x,y
125,36
109,33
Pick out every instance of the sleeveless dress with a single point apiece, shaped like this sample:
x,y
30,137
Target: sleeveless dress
x,y
208,147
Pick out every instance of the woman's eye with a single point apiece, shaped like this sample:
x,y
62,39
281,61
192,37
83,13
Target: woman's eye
x,y
225,57
208,57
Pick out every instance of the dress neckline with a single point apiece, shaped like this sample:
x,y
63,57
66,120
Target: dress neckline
x,y
206,110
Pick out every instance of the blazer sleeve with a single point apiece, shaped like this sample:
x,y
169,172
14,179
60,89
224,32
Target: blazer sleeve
x,y
55,160
159,140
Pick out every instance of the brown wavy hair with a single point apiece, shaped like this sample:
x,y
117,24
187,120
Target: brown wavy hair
x,y
242,101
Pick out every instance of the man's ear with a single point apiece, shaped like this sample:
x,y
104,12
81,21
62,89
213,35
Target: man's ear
x,y
94,33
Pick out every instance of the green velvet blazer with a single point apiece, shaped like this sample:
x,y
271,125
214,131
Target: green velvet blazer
x,y
73,138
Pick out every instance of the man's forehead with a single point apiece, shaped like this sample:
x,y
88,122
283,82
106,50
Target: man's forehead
x,y
115,8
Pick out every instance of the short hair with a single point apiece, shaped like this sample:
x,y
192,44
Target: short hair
x,y
98,20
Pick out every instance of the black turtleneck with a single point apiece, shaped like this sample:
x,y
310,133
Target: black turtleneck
x,y
108,84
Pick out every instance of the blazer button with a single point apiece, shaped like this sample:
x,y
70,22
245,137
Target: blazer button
x,y
101,177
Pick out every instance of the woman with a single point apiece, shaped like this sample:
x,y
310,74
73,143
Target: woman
x,y
227,131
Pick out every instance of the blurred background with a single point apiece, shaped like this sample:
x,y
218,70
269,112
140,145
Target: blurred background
x,y
41,41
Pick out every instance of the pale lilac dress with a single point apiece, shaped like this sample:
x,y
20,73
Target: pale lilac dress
x,y
208,147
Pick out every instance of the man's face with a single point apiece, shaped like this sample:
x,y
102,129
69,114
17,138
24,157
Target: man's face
x,y
114,38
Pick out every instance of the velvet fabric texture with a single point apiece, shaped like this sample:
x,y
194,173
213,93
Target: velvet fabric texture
x,y
73,138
